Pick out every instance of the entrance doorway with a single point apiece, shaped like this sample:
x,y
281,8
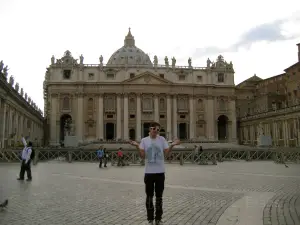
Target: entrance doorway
x,y
110,131
132,134
65,122
222,127
146,127
182,131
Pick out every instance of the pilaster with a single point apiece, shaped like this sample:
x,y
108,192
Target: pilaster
x,y
119,117
79,118
100,126
125,130
53,120
169,117
138,117
175,133
156,108
3,124
210,118
192,117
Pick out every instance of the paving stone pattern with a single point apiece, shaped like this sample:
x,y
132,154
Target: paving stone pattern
x,y
81,193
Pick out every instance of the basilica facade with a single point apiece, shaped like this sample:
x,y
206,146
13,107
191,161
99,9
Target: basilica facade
x,y
118,100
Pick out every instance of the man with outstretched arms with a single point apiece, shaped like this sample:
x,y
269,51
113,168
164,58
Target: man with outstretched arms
x,y
154,148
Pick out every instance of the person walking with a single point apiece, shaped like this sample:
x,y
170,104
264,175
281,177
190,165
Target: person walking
x,y
154,148
100,154
27,156
105,157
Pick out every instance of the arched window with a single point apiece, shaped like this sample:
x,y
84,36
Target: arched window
x,y
66,103
181,103
131,103
200,104
147,103
110,102
90,104
222,104
161,104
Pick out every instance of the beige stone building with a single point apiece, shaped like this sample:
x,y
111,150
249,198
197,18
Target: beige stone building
x,y
270,107
19,115
117,100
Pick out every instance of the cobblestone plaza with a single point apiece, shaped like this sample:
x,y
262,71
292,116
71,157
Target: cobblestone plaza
x,y
81,193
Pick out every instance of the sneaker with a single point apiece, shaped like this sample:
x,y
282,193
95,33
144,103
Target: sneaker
x,y
28,179
20,179
150,222
158,222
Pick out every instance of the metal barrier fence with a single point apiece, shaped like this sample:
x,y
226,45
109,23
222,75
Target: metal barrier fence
x,y
131,157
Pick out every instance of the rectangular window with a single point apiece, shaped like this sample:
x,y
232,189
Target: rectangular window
x,y
162,116
199,78
161,75
220,77
91,76
110,116
67,74
110,76
132,75
181,77
132,116
182,116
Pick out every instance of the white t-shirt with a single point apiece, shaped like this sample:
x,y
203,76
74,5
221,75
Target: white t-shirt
x,y
154,154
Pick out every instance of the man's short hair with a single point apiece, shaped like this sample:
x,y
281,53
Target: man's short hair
x,y
154,124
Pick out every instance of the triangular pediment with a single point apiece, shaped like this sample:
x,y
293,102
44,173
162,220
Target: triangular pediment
x,y
147,78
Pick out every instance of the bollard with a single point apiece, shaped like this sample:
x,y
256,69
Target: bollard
x,y
69,156
36,157
181,158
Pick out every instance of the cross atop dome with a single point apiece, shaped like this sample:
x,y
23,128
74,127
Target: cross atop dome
x,y
129,39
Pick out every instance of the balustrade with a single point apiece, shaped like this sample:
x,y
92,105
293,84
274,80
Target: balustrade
x,y
188,155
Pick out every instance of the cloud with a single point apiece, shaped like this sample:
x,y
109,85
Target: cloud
x,y
269,32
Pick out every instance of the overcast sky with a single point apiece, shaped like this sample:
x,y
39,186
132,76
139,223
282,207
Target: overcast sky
x,y
257,36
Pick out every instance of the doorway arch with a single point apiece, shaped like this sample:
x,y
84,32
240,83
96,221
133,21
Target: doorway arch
x,y
65,121
110,131
132,134
222,127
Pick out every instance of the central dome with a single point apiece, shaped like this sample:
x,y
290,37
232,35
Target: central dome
x,y
129,54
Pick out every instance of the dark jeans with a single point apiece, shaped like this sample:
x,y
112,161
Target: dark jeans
x,y
154,182
27,168
101,161
121,161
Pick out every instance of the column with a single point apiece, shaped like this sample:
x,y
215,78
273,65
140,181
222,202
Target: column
x,y
175,134
274,137
126,136
233,119
287,136
100,126
210,118
53,135
138,117
79,119
3,119
169,118
119,117
192,117
156,108
295,132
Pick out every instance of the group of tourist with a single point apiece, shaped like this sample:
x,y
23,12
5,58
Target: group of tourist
x,y
153,149
103,156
